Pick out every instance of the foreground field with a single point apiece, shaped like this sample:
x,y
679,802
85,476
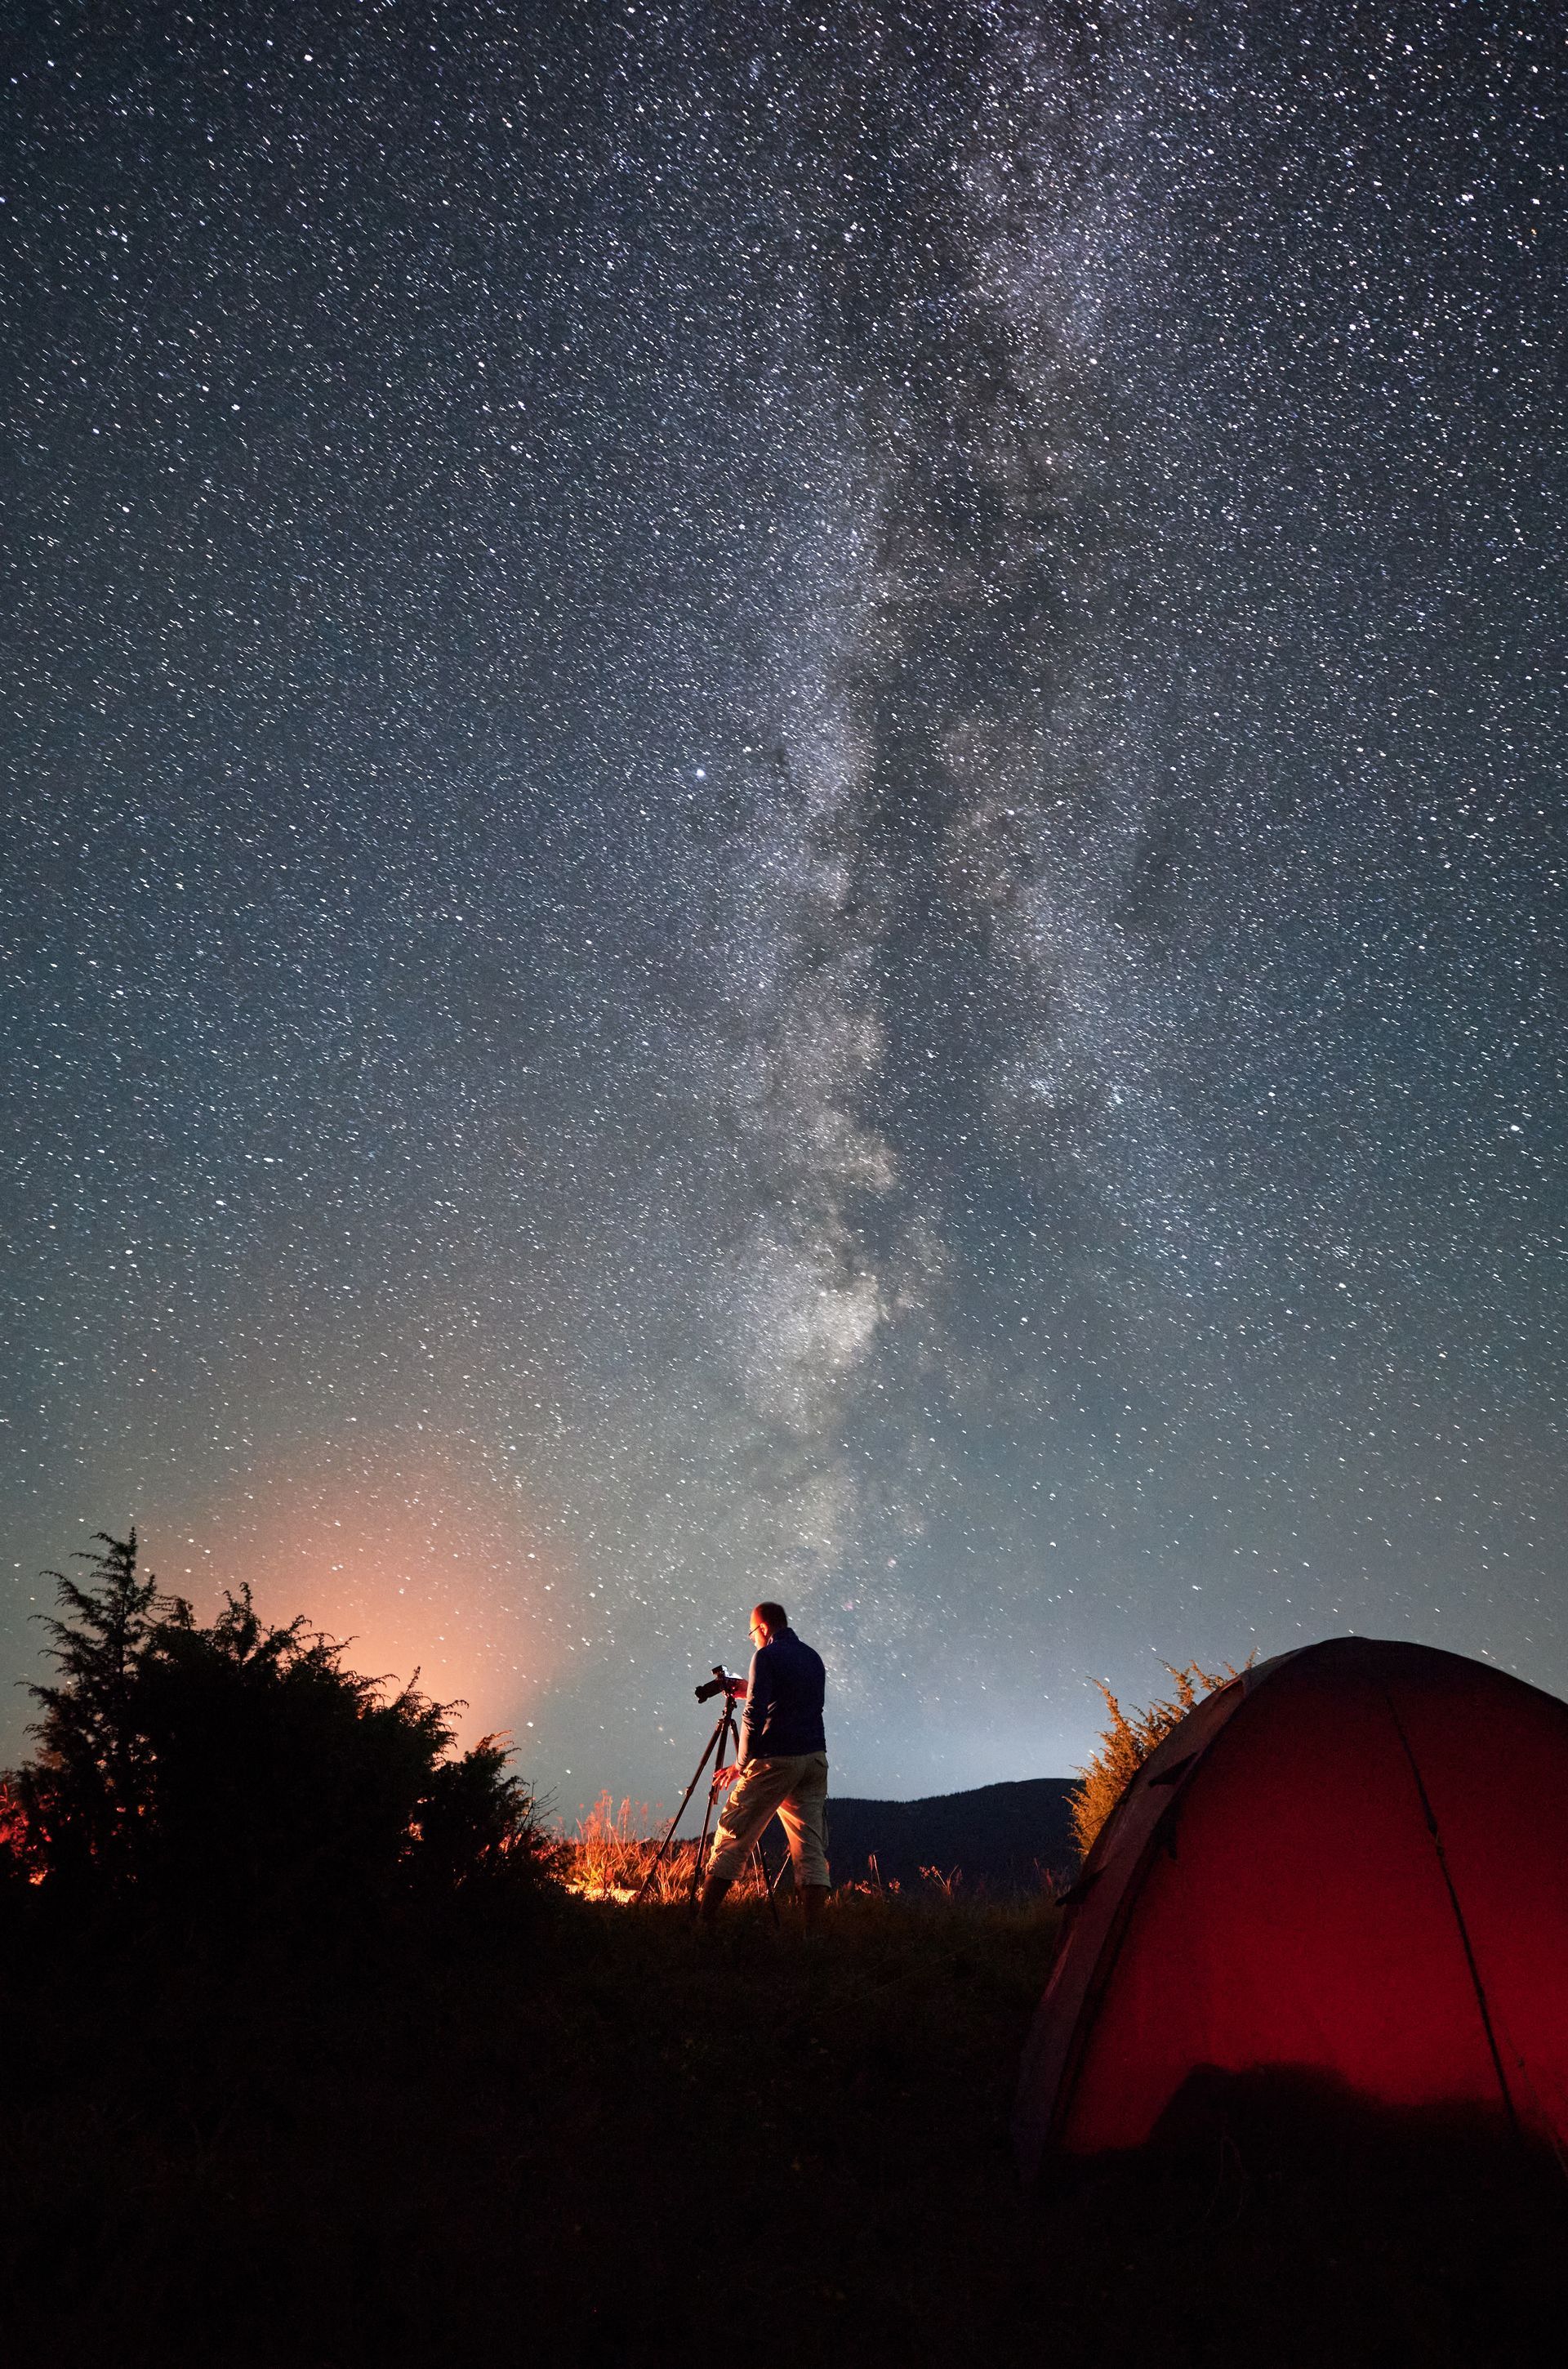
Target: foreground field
x,y
594,2136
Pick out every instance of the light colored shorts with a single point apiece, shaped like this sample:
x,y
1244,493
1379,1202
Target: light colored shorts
x,y
794,1786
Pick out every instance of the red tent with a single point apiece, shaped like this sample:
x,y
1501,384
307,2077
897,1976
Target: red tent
x,y
1350,1863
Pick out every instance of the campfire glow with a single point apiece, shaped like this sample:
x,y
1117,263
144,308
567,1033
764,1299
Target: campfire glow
x,y
611,1852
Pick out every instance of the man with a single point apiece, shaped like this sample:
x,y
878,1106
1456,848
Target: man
x,y
781,1765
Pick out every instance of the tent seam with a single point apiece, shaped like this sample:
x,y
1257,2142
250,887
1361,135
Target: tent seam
x,y
1478,1987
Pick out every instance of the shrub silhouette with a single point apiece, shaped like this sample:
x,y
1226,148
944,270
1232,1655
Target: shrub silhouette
x,y
475,1823
239,1764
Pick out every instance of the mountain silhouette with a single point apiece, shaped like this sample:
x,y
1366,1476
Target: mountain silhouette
x,y
1003,1836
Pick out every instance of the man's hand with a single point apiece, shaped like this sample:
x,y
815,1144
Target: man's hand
x,y
726,1777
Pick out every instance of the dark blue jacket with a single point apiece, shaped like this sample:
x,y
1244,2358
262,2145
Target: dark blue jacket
x,y
783,1701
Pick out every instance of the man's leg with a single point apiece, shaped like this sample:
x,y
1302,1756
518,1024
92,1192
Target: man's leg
x,y
803,1815
749,1803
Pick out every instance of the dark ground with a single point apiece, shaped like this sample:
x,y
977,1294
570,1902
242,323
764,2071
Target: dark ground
x,y
601,2138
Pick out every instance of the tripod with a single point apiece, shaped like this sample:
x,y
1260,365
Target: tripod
x,y
726,1737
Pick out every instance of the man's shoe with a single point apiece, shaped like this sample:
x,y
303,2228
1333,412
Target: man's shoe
x,y
813,1900
713,1892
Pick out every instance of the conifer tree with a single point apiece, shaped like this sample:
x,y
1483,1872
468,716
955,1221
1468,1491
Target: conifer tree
x,y
241,1768
86,1793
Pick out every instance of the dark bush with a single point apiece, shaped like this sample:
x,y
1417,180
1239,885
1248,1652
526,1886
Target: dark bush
x,y
238,1767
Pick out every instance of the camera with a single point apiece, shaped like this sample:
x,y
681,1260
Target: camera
x,y
721,1683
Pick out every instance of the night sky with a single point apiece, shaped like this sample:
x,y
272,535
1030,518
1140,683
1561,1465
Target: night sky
x,y
784,818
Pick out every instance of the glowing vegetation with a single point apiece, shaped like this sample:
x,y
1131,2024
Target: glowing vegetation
x,y
611,1851
1126,1741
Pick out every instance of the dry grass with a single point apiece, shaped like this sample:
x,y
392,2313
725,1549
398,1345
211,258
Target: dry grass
x,y
611,1852
1126,1742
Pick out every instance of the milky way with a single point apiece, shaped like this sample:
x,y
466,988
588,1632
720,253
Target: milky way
x,y
785,818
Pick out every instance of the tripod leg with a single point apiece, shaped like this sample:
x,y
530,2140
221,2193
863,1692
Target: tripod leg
x,y
697,1864
657,1857
769,1882
725,1733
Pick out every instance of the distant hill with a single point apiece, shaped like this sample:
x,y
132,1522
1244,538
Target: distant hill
x,y
1001,1835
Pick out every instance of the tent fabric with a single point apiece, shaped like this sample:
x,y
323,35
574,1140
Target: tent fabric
x,y
1350,1863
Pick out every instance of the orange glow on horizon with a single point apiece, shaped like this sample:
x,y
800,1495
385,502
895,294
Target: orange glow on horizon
x,y
414,1567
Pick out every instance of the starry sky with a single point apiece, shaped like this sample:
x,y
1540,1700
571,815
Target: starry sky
x,y
784,818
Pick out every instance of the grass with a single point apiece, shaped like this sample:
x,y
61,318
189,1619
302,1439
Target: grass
x,y
612,1853
597,2135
